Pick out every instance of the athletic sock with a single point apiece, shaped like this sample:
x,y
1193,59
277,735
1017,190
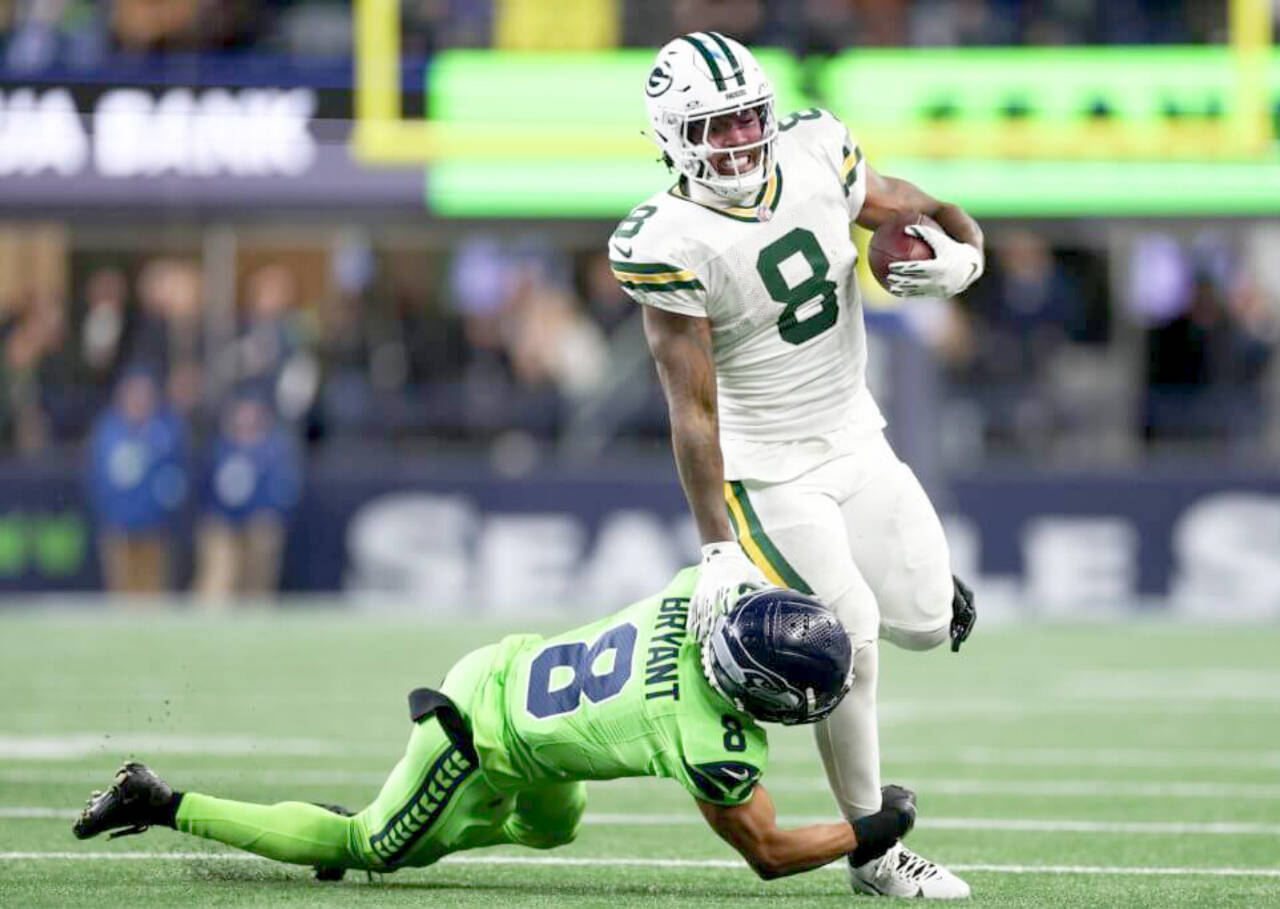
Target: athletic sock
x,y
849,743
296,832
168,814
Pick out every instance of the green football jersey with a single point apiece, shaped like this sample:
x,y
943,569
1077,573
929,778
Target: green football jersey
x,y
623,696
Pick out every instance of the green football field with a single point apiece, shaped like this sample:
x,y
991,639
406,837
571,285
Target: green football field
x,y
1129,765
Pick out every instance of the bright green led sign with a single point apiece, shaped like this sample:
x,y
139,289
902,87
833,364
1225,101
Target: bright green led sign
x,y
1005,132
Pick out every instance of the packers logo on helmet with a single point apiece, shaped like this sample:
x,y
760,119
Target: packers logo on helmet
x,y
696,78
659,82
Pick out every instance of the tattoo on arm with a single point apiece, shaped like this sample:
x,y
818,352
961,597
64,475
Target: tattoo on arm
x,y
681,348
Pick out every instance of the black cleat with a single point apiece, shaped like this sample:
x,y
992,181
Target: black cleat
x,y
136,800
330,872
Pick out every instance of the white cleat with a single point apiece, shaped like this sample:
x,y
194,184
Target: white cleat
x,y
900,872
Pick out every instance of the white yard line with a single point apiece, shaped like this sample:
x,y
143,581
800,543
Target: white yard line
x,y
102,776
626,861
1025,825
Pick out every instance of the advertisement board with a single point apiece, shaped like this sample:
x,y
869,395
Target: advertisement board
x,y
449,537
81,149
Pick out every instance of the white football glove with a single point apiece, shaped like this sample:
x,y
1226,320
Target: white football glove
x,y
954,267
724,575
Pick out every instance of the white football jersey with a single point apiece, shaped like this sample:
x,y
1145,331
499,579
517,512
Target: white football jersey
x,y
777,281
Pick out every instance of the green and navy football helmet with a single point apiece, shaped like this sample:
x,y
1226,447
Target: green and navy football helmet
x,y
780,657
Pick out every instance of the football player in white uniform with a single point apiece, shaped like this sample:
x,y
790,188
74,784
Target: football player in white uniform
x,y
751,309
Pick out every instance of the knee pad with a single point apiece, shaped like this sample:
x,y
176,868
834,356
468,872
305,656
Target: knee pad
x,y
856,610
915,638
541,823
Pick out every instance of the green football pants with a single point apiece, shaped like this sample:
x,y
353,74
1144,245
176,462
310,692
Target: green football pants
x,y
434,802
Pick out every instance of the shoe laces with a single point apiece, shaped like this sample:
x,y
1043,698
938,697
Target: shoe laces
x,y
914,867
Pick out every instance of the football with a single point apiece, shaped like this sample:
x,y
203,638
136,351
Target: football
x,y
891,243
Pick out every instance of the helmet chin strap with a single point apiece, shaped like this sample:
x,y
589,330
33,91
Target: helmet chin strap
x,y
707,195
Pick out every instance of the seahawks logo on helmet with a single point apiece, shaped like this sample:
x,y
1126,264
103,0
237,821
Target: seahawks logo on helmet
x,y
780,657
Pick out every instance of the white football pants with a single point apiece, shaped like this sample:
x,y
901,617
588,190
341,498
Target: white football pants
x,y
860,533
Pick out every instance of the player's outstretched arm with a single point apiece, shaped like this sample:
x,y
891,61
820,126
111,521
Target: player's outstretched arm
x,y
681,348
752,829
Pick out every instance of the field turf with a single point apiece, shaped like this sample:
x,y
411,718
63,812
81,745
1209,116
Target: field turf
x,y
1129,765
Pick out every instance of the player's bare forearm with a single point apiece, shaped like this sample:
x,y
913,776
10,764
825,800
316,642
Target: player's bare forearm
x,y
752,829
888,197
681,348
958,224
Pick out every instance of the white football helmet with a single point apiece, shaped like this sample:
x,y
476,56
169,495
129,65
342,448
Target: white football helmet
x,y
699,76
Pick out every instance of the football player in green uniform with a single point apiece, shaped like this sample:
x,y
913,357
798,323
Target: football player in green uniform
x,y
500,754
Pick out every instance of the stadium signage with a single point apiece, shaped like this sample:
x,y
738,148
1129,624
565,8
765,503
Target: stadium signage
x,y
1061,550
210,147
133,132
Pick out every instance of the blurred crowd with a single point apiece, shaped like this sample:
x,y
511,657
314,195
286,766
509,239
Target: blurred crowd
x,y
522,331
83,32
195,398
1165,345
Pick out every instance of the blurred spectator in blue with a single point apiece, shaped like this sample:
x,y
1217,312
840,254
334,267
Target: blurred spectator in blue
x,y
137,484
254,479
49,31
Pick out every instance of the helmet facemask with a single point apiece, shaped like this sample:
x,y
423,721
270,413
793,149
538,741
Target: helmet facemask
x,y
693,155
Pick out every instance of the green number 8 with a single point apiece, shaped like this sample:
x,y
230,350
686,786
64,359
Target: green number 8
x,y
792,329
786,123
631,224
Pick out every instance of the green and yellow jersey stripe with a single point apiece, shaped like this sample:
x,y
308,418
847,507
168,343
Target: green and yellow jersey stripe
x,y
849,169
756,543
654,276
